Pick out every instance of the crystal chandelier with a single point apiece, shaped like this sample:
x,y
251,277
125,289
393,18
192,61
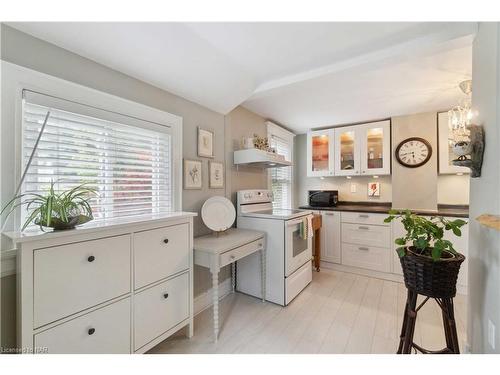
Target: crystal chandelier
x,y
460,116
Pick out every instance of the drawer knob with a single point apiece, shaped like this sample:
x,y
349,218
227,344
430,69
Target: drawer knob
x,y
91,331
91,258
165,240
165,295
232,257
260,245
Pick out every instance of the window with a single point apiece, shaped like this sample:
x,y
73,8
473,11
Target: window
x,y
128,160
281,179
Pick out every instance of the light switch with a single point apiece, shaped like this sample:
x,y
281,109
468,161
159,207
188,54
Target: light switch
x,y
353,188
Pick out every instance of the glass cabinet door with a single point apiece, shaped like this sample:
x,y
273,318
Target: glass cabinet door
x,y
320,153
346,142
375,148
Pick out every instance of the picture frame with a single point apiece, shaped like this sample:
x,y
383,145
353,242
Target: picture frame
x,y
445,152
374,189
193,175
216,174
205,143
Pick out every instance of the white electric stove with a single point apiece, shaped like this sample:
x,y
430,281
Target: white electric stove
x,y
288,255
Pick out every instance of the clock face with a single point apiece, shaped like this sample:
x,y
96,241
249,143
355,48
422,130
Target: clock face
x,y
413,152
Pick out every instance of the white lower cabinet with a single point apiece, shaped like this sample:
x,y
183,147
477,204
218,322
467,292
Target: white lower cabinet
x,y
330,237
159,308
121,289
103,331
369,257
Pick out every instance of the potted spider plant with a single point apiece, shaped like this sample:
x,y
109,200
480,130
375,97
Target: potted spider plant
x,y
430,263
59,211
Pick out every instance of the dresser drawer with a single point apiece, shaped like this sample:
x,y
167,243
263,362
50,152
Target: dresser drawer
x,y
370,235
71,278
160,308
106,330
240,252
159,253
364,218
369,257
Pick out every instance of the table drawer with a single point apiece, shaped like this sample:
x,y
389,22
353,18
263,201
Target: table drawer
x,y
106,330
160,308
364,218
71,278
369,257
159,253
240,252
370,235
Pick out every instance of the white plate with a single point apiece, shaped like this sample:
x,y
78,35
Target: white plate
x,y
218,213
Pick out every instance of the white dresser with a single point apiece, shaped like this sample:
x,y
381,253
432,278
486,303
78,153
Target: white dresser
x,y
121,286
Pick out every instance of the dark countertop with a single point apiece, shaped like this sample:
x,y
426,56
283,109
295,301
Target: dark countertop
x,y
383,208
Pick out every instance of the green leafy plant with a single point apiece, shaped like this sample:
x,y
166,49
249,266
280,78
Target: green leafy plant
x,y
57,210
425,235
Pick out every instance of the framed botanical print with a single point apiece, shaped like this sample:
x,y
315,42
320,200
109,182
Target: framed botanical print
x,y
216,175
192,174
205,143
374,189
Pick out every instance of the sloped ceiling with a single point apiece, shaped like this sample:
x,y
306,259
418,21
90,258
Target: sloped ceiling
x,y
302,75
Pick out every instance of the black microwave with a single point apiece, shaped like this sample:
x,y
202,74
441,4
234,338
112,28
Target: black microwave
x,y
323,198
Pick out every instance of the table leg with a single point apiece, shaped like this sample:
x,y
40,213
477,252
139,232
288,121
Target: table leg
x,y
233,276
215,291
263,273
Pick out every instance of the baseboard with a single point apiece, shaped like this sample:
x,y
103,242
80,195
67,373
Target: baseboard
x,y
204,300
461,289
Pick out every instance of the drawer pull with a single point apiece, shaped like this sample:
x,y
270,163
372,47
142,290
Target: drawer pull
x,y
165,295
363,248
260,245
91,258
364,228
165,240
364,216
232,257
329,213
91,331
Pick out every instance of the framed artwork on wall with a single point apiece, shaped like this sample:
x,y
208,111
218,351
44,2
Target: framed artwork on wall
x,y
374,189
445,149
192,174
216,175
205,143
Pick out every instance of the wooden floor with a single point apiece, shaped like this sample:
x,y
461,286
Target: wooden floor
x,y
337,313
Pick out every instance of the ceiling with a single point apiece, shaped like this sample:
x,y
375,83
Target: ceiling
x,y
301,75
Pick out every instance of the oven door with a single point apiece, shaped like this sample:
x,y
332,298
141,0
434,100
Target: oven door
x,y
297,250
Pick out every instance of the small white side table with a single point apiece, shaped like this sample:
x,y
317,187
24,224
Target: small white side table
x,y
216,251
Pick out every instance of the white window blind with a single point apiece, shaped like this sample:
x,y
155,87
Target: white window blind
x,y
130,166
281,178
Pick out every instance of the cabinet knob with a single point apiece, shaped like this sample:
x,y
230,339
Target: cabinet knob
x,y
165,295
165,240
91,258
232,257
91,331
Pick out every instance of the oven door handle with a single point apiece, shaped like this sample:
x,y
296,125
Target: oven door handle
x,y
296,221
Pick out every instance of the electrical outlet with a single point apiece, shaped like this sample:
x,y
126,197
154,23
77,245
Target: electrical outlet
x,y
353,188
491,334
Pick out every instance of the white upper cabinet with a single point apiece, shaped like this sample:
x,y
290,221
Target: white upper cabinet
x,y
375,140
446,154
347,145
320,153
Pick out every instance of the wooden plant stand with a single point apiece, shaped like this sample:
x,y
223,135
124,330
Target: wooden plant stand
x,y
406,343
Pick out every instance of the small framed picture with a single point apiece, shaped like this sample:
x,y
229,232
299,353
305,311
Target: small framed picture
x,y
192,174
216,175
374,189
205,143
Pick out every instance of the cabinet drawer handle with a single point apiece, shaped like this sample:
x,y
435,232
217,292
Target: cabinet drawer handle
x,y
232,257
329,213
364,228
260,245
363,248
91,258
165,240
165,295
363,216
91,331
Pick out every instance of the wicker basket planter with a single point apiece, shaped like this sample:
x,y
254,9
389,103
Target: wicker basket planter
x,y
435,279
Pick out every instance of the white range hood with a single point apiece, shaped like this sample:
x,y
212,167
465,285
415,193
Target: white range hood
x,y
257,158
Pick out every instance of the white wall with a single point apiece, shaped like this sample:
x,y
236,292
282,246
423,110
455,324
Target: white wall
x,y
484,243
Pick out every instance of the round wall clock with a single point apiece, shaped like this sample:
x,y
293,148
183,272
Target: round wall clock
x,y
413,152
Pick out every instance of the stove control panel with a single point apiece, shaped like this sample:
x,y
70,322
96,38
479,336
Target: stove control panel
x,y
254,196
